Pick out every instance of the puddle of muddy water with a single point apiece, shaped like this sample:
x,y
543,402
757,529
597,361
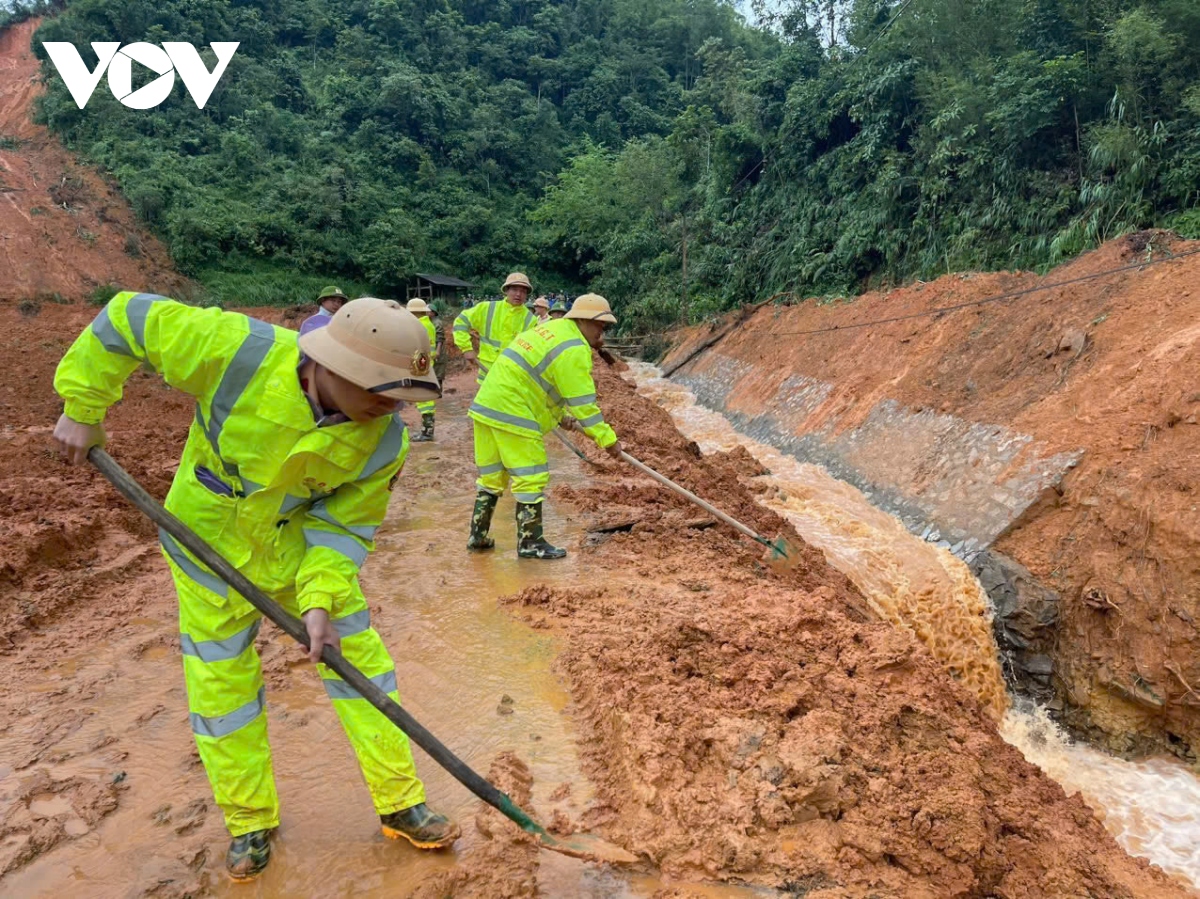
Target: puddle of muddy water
x,y
1151,807
458,655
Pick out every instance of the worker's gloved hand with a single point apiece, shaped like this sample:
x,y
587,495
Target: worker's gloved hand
x,y
74,439
615,450
567,423
320,633
470,355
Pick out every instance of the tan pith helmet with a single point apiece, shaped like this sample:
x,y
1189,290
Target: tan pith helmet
x,y
593,308
378,345
516,279
417,305
541,303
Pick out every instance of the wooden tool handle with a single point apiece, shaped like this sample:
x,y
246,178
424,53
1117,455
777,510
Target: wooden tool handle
x,y
688,495
462,772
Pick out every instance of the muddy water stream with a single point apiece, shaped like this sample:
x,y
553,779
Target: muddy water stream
x,y
458,655
1152,806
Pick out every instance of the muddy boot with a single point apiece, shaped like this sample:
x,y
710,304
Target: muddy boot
x,y
481,522
426,428
248,855
530,542
421,826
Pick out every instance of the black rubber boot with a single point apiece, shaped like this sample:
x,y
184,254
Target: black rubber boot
x,y
248,855
530,542
481,522
426,428
421,826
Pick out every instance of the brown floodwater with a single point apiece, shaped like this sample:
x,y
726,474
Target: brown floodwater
x,y
1151,806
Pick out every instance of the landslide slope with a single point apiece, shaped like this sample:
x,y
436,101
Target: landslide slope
x,y
64,229
1108,366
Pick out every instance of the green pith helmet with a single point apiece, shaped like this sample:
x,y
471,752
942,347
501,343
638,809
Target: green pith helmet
x,y
331,291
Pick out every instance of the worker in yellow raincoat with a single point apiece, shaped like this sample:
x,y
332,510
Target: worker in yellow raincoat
x,y
420,309
496,322
544,374
287,470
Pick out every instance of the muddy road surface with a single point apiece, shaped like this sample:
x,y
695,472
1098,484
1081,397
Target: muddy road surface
x,y
741,729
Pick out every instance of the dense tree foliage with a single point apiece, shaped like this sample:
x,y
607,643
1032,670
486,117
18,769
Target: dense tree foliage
x,y
660,151
887,140
370,139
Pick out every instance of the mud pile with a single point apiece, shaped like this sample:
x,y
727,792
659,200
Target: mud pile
x,y
66,228
747,726
1110,367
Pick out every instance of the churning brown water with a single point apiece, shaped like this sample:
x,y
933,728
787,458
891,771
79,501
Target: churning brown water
x,y
1152,806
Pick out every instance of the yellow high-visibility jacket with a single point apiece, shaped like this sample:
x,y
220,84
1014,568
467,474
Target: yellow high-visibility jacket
x,y
547,370
259,478
497,322
432,332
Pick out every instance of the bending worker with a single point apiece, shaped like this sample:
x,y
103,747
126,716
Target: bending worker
x,y
286,473
420,309
544,372
496,322
328,303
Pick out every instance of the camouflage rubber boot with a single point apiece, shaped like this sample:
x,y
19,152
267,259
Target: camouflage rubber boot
x,y
481,522
248,855
421,826
530,542
426,428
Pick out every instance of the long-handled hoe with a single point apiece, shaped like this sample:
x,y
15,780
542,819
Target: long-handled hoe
x,y
578,845
785,555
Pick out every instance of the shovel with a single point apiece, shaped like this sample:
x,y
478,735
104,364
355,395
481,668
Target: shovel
x,y
577,845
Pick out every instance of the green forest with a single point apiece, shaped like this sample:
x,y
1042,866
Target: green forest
x,y
665,153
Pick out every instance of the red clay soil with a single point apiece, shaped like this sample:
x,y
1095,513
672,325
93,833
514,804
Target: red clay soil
x,y
64,229
1109,366
738,724
747,725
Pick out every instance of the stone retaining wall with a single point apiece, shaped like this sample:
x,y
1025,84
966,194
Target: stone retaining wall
x,y
954,482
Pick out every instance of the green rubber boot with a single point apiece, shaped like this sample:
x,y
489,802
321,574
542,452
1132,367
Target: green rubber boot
x,y
421,826
248,855
481,522
530,542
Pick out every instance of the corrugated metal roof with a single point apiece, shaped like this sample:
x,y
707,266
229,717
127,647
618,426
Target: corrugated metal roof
x,y
445,280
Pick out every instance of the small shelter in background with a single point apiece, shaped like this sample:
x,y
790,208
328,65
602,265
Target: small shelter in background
x,y
438,287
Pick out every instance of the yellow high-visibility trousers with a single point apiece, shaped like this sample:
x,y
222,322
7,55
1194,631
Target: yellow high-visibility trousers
x,y
227,703
503,457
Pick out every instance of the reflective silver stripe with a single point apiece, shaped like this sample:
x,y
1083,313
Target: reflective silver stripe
x,y
220,650
461,329
388,448
555,352
529,497
108,335
581,400
136,311
237,377
490,469
527,423
319,510
339,689
547,388
224,725
596,419
205,579
527,470
339,543
291,502
354,623
486,335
